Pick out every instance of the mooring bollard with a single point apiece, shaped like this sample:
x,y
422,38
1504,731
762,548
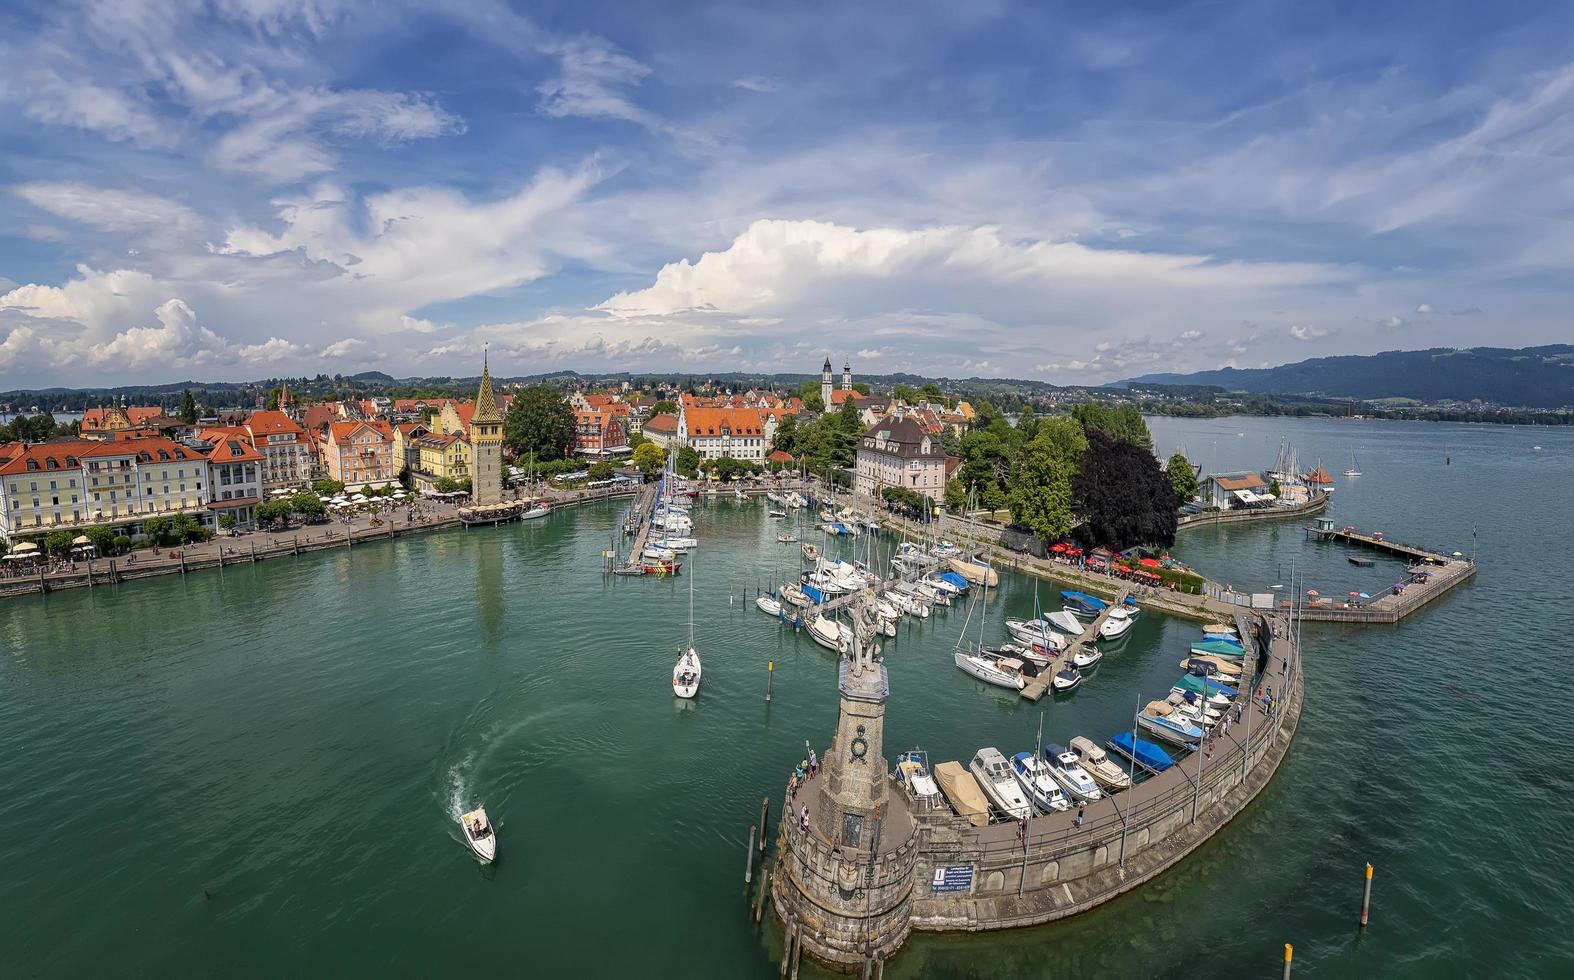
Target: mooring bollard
x,y
770,672
1289,951
748,868
1366,896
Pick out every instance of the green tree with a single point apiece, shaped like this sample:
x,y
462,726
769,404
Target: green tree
x,y
665,407
905,393
955,494
185,528
227,522
849,420
688,461
102,538
188,407
1121,421
307,505
649,459
727,468
57,542
809,391
862,387
785,439
274,394
1182,477
156,528
601,470
1273,487
327,488
539,421
1040,493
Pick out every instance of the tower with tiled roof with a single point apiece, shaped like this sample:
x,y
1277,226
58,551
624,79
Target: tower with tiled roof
x,y
486,443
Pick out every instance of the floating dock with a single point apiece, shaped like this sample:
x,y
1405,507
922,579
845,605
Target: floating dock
x,y
1037,686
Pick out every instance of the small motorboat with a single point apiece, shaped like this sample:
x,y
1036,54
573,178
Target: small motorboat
x,y
677,543
778,513
1036,632
768,604
994,776
794,595
827,633
1161,719
1218,648
1064,621
811,552
1117,625
1227,670
976,571
652,553
1036,656
1086,657
1000,671
1220,629
479,834
912,772
1217,693
915,598
686,674
1067,678
962,790
1082,605
1141,752
1099,765
1194,708
1223,638
1034,778
787,537
1066,769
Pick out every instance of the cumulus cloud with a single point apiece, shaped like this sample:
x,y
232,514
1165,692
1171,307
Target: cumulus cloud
x,y
1306,331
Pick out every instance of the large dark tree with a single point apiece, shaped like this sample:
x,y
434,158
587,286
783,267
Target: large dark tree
x,y
539,421
1122,495
188,407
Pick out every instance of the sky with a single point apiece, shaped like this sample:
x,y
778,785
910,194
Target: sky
x,y
1071,192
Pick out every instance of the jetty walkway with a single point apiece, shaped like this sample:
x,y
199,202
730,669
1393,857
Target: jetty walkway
x,y
1038,685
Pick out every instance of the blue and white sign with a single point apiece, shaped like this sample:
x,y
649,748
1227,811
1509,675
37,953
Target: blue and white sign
x,y
952,878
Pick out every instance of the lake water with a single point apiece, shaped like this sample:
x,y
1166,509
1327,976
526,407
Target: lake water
x,y
295,737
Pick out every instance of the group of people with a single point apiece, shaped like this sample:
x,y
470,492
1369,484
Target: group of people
x,y
804,771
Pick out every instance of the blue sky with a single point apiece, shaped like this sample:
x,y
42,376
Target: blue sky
x,y
1077,192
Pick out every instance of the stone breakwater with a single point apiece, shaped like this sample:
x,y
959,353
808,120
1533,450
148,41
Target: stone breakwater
x,y
852,906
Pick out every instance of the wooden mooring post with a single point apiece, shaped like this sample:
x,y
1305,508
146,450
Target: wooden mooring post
x,y
748,867
759,899
765,811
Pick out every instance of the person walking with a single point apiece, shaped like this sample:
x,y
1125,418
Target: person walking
x,y
1081,812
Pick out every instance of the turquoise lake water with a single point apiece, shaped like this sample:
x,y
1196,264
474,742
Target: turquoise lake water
x,y
294,737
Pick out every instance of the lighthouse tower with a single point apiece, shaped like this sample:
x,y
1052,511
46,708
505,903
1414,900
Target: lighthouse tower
x,y
846,882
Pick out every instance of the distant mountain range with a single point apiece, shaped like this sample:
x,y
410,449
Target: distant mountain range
x,y
1531,377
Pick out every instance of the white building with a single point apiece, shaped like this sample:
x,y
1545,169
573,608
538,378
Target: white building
x,y
738,433
897,452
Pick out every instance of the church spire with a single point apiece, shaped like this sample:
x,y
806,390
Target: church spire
x,y
485,401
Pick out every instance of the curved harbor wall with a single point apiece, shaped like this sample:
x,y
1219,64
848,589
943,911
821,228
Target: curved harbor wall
x,y
947,875
1315,505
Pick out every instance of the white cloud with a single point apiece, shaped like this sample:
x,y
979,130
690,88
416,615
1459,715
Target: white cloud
x,y
1306,331
108,208
1426,308
756,83
47,96
593,82
344,348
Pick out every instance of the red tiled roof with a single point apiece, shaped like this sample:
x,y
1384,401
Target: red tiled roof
x,y
666,425
232,448
47,456
711,421
271,423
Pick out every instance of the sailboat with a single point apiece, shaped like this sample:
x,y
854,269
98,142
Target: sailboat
x,y
686,672
1353,470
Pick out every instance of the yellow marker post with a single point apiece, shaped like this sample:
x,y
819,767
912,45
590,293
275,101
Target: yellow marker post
x,y
770,672
1289,952
1366,896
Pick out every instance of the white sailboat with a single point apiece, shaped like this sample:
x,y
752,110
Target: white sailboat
x,y
686,672
1354,470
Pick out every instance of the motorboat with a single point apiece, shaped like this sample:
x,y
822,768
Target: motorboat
x,y
999,671
976,571
1227,670
917,599
1162,720
1064,621
944,549
1141,752
1216,692
1130,605
1099,765
963,791
1067,678
480,836
912,772
795,499
653,553
1217,649
898,602
1066,769
787,537
1117,625
1194,708
1223,638
1220,629
768,604
1033,776
1082,605
949,582
1036,632
932,593
1037,657
994,776
775,497
827,633
811,552
907,601
1086,657
686,673
794,595
677,543
776,513
827,515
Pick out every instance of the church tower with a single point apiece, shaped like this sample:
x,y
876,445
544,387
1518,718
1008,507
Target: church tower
x,y
847,375
486,443
825,384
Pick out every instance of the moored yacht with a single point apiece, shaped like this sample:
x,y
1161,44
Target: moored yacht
x,y
1117,625
999,671
768,604
1066,769
1036,632
1033,776
994,776
1099,765
1064,621
1161,719
1067,678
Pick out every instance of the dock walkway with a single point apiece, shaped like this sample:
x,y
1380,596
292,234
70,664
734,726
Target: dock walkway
x,y
1038,685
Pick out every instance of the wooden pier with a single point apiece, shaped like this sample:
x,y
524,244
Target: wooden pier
x,y
1037,686
644,508
1324,531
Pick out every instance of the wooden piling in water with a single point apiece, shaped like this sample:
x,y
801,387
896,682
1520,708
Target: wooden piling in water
x,y
787,949
797,952
759,900
748,867
765,811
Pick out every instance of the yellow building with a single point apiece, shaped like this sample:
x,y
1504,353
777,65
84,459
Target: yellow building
x,y
442,457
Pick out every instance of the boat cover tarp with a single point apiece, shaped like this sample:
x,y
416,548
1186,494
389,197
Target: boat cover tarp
x,y
1092,602
814,594
1222,638
1219,649
1205,685
963,791
1145,752
955,579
